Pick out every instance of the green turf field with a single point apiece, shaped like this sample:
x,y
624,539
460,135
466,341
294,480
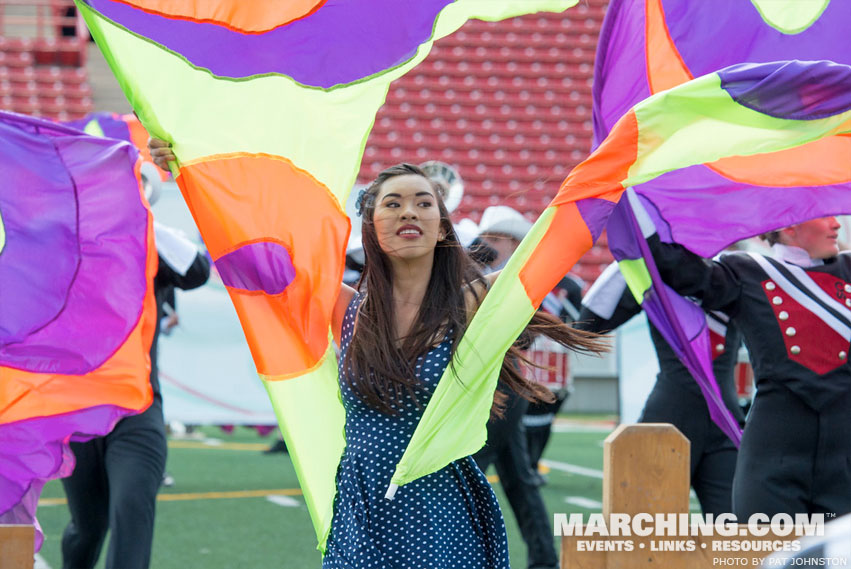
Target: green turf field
x,y
219,515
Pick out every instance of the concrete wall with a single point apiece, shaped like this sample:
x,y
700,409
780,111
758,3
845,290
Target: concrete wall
x,y
595,385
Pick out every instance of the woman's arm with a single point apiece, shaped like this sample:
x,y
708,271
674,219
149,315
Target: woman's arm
x,y
345,297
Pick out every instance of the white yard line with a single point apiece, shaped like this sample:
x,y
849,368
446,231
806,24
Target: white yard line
x,y
285,501
40,563
573,469
580,428
584,502
692,499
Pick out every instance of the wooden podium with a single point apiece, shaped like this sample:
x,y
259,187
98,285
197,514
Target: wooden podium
x,y
646,471
16,546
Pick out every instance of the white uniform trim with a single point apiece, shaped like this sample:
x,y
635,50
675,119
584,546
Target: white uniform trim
x,y
603,296
716,326
175,249
554,305
831,302
720,316
538,420
801,297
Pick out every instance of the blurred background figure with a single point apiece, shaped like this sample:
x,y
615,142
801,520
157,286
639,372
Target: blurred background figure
x,y
676,397
500,232
114,485
792,308
555,371
502,229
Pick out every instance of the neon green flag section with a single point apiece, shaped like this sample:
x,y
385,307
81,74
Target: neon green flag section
x,y
268,114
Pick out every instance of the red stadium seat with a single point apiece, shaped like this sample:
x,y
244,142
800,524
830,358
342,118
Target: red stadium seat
x,y
508,103
43,74
27,106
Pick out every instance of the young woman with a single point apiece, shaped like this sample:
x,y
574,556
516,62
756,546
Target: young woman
x,y
397,333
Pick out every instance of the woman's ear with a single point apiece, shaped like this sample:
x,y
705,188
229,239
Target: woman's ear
x,y
789,234
445,228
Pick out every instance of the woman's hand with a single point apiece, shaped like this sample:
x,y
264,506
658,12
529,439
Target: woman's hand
x,y
161,152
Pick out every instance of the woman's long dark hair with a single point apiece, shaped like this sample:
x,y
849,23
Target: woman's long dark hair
x,y
381,369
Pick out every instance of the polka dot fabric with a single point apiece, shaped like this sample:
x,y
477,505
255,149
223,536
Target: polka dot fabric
x,y
447,520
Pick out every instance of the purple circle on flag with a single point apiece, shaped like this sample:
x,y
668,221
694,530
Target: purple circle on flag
x,y
263,267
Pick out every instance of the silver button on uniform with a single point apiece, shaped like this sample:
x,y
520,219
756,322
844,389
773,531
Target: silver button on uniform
x,y
790,331
777,300
770,286
842,355
783,315
795,350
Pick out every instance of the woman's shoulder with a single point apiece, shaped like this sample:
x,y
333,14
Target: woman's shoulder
x,y
347,294
341,307
353,298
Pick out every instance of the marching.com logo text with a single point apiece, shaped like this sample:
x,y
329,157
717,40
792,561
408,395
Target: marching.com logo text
x,y
686,525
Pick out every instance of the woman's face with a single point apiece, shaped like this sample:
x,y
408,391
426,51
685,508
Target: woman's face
x,y
407,217
816,236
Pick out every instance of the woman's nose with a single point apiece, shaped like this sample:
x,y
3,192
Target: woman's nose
x,y
408,212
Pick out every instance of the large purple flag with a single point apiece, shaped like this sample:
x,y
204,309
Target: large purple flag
x,y
648,46
77,311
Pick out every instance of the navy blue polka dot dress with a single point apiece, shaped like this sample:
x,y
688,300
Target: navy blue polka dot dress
x,y
447,520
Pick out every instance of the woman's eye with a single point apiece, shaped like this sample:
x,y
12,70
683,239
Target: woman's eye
x,y
426,204
391,204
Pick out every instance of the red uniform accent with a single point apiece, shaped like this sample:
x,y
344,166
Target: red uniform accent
x,y
717,344
834,287
818,346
